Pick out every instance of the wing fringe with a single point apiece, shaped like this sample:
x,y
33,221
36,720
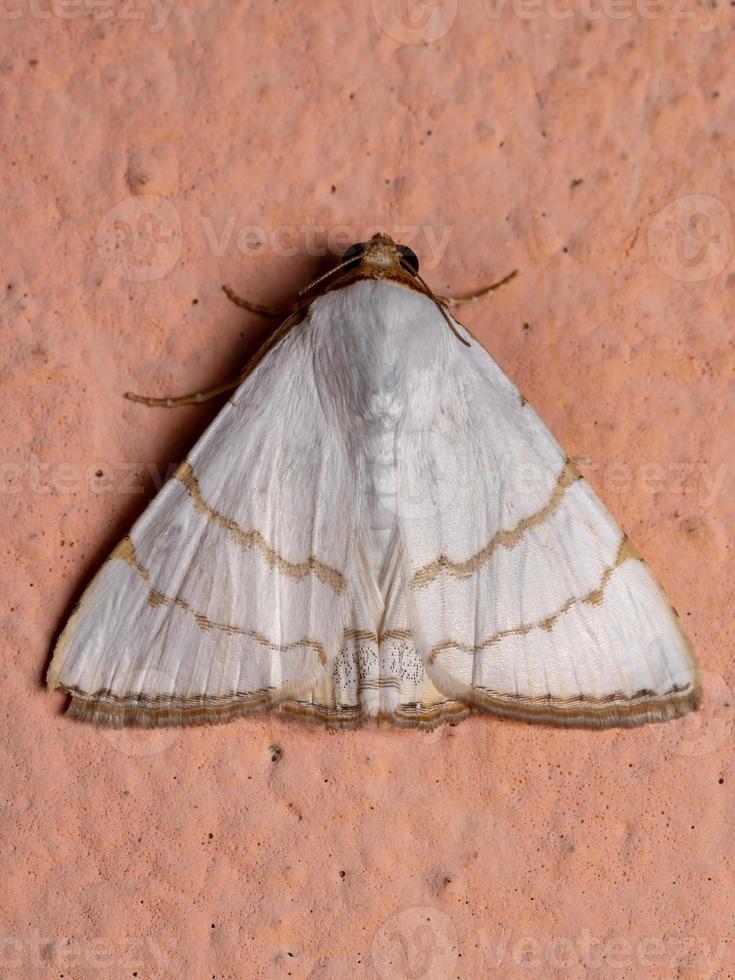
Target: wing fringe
x,y
106,710
615,710
623,713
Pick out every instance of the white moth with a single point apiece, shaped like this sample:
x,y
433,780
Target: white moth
x,y
376,527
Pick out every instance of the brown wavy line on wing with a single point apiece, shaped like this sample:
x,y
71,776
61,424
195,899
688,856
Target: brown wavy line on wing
x,y
397,634
593,598
254,539
506,539
126,552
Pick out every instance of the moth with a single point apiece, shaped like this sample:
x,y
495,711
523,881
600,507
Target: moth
x,y
376,527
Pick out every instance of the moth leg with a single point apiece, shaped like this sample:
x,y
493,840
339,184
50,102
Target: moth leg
x,y
481,294
197,398
255,307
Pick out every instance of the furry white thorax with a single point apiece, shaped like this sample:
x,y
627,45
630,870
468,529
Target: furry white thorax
x,y
382,346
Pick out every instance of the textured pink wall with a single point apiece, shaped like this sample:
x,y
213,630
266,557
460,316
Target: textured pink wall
x,y
593,152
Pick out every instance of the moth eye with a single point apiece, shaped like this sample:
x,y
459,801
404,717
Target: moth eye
x,y
354,251
409,257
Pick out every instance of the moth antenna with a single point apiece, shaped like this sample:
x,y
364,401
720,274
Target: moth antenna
x,y
480,294
326,275
427,290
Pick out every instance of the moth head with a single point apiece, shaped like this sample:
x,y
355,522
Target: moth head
x,y
381,256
